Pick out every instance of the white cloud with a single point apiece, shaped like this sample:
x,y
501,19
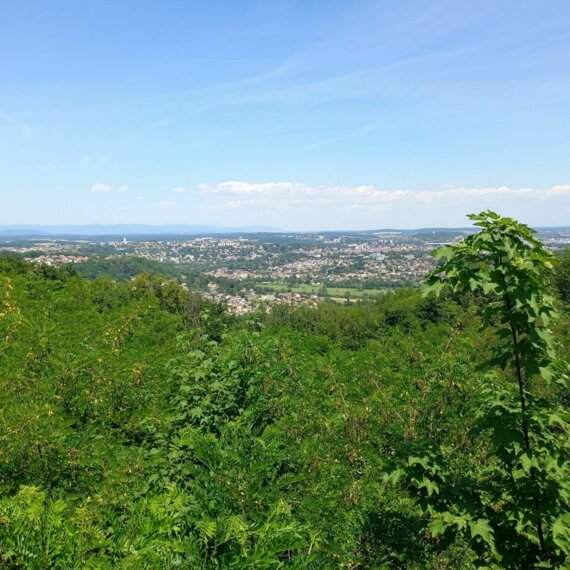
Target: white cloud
x,y
560,190
101,188
179,190
244,188
278,195
166,204
122,189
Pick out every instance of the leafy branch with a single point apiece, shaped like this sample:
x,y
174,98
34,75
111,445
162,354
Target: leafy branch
x,y
516,505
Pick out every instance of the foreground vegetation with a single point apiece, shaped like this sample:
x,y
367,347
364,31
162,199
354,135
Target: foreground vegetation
x,y
143,428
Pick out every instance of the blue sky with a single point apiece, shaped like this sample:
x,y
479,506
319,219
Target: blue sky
x,y
293,114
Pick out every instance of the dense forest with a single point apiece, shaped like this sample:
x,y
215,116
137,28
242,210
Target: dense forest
x,y
141,427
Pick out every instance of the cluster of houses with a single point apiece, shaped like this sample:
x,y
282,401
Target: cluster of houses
x,y
248,301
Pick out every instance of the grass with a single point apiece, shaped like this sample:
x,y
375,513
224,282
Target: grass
x,y
334,292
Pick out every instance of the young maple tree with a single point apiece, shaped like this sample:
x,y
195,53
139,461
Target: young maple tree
x,y
515,510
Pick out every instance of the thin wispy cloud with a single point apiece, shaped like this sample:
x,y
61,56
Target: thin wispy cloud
x,y
179,190
123,188
12,125
351,135
305,75
16,128
92,160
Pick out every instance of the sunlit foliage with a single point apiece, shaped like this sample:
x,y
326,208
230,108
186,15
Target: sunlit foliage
x,y
143,428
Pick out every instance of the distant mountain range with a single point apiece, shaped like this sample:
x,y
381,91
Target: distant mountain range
x,y
126,230
122,230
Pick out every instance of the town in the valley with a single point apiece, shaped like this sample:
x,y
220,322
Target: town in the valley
x,y
249,271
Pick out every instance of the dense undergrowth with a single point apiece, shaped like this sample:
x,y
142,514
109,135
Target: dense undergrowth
x,y
143,428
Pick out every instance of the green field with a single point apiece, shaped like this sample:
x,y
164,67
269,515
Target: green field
x,y
338,292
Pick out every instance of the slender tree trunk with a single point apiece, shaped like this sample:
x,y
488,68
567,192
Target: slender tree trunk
x,y
523,403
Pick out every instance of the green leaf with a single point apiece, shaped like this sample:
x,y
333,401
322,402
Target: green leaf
x,y
482,528
546,373
561,532
196,412
437,526
443,251
432,288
